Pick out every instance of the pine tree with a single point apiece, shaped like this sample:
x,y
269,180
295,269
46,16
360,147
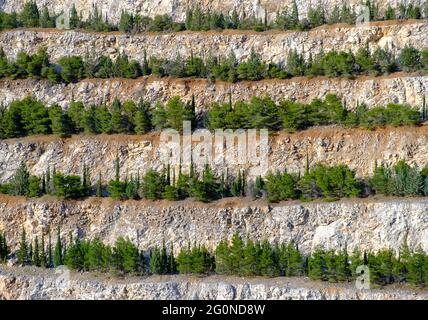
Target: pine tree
x,y
236,254
58,251
417,268
155,263
317,265
295,261
23,249
266,260
355,261
330,266
117,119
30,15
222,258
184,261
343,272
142,118
250,260
20,180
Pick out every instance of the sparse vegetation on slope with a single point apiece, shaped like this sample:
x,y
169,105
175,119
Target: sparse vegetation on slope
x,y
71,69
318,182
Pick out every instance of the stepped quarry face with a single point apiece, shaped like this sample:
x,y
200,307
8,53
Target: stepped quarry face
x,y
367,224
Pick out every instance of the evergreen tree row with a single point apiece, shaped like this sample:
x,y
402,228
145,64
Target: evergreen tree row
x,y
199,20
238,257
319,181
29,117
331,64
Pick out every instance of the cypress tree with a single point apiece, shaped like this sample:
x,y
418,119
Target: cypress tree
x,y
42,250
50,255
172,265
4,250
117,168
23,249
99,191
58,251
36,253
74,18
164,259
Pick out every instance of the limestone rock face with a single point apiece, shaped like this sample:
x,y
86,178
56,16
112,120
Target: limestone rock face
x,y
272,46
369,225
177,8
374,91
357,148
34,284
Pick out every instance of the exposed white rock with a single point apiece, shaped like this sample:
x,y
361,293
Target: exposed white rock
x,y
37,284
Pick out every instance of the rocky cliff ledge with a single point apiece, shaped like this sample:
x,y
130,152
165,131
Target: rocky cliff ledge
x,y
357,148
271,46
374,91
177,8
366,224
36,284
